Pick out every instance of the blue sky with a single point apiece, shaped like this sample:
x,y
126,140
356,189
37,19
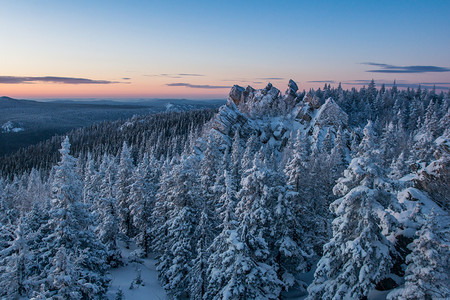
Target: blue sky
x,y
197,49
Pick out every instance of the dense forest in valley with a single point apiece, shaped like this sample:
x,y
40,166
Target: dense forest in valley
x,y
158,134
27,122
352,185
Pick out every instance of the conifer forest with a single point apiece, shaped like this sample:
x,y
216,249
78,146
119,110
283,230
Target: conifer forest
x,y
326,193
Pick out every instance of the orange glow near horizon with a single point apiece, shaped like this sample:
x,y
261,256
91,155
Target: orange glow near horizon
x,y
143,89
113,90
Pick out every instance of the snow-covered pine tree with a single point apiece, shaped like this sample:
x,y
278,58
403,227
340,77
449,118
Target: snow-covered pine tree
x,y
71,237
122,188
288,257
211,168
219,189
160,216
142,199
14,266
428,272
107,229
91,182
63,274
398,167
220,251
358,255
251,146
308,180
36,229
198,274
7,226
10,207
37,191
175,263
236,154
245,268
295,168
327,143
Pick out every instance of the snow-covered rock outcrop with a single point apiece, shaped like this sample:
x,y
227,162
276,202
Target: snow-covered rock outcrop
x,y
275,117
330,114
9,127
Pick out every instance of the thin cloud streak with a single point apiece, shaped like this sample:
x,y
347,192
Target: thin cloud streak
x,y
51,79
270,78
321,81
435,83
192,75
385,68
180,75
198,86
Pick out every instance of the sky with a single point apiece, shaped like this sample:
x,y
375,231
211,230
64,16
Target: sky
x,y
199,49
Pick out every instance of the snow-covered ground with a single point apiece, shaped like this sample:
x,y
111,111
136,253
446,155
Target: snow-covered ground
x,y
122,278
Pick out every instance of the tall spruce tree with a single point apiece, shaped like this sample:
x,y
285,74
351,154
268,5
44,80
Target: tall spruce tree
x,y
142,199
122,188
72,274
358,255
428,265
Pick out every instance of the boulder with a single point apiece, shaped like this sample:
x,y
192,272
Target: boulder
x,y
303,116
292,88
237,94
248,91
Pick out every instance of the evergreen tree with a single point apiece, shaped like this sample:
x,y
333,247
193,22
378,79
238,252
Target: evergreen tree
x,y
358,255
122,187
175,263
107,229
36,229
211,168
236,155
72,273
288,257
91,182
428,271
142,198
36,189
295,169
218,259
160,216
14,266
198,274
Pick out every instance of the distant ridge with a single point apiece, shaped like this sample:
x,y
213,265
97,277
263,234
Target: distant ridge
x,y
41,120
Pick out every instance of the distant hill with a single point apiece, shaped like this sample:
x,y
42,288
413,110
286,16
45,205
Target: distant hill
x,y
26,122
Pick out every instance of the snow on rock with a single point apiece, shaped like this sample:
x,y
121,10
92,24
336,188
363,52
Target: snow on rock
x,y
330,114
313,101
229,119
246,105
